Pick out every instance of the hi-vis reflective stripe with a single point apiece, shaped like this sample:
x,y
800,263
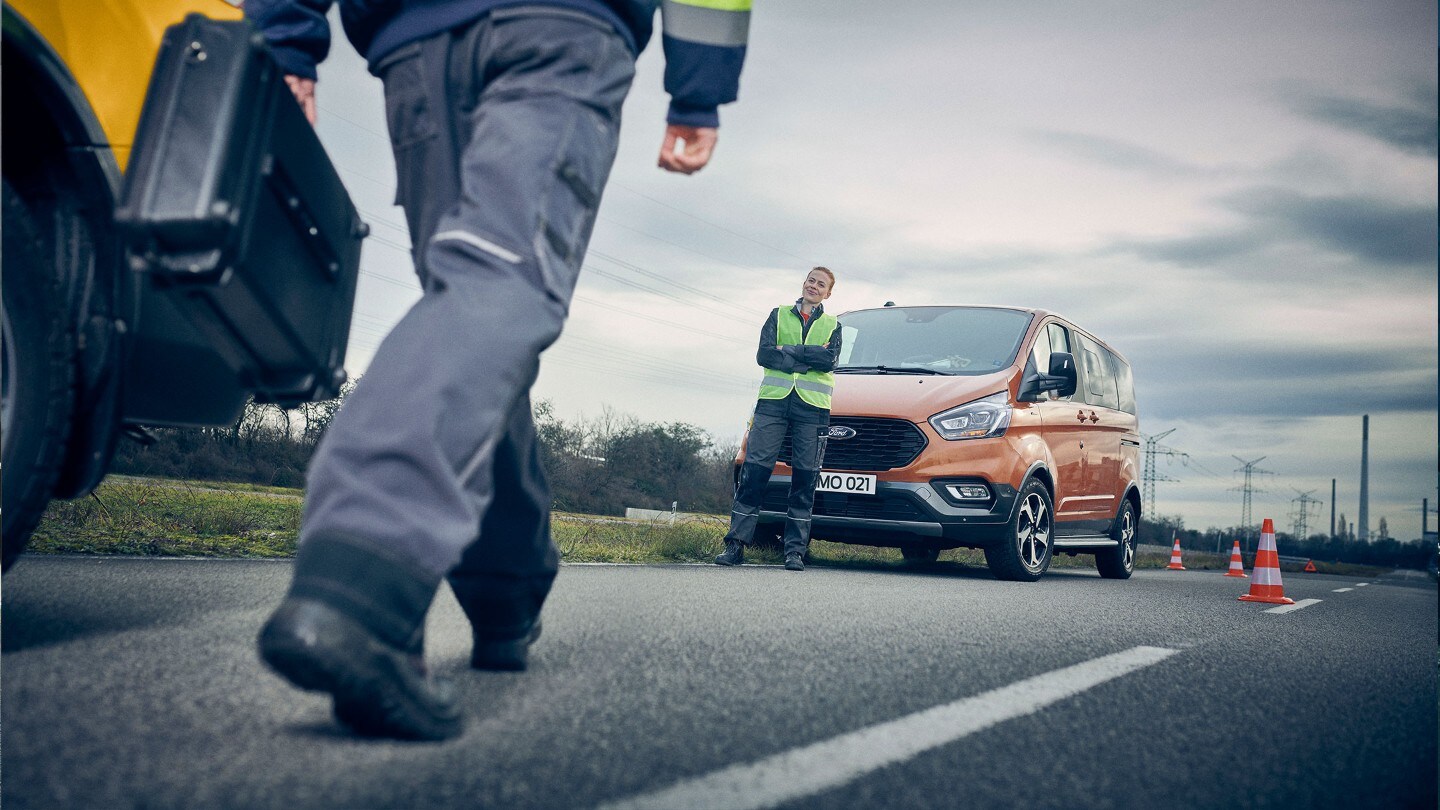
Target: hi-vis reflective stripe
x,y
782,382
718,5
475,241
811,385
708,22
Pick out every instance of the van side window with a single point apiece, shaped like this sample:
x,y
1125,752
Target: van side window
x,y
1097,379
1040,352
1124,381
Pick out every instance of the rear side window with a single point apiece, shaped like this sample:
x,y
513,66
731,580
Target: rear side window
x,y
1124,381
1098,381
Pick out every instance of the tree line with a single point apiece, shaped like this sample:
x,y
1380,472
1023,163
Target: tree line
x,y
598,465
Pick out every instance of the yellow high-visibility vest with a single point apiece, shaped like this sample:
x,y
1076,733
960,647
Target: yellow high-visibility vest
x,y
815,387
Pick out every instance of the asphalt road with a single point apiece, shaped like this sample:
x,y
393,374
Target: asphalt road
x,y
133,683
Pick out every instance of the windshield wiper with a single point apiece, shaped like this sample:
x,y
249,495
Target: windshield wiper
x,y
890,370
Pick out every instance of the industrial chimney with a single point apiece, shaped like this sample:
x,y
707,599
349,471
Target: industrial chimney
x,y
1364,520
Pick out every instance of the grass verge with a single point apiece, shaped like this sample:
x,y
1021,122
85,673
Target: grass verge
x,y
157,517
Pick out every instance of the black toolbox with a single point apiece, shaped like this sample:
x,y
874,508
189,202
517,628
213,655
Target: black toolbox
x,y
247,243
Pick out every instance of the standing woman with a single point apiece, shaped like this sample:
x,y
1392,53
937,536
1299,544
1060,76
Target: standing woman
x,y
799,346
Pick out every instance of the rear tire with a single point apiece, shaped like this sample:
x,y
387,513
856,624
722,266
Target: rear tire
x,y
1024,555
1119,562
39,390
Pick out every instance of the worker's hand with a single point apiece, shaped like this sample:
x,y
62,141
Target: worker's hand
x,y
304,90
699,142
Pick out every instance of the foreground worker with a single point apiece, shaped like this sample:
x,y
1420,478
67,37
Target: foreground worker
x,y
799,346
504,120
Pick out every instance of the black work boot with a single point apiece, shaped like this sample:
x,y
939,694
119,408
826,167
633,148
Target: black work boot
x,y
351,626
504,654
794,561
734,553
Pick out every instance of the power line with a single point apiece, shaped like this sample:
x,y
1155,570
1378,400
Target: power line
x,y
672,324
708,222
666,280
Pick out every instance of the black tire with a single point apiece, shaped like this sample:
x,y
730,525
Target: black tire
x,y
1025,554
1119,562
919,555
38,382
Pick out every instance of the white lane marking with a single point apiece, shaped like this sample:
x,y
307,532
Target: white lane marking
x,y
1342,590
1361,584
1303,603
831,763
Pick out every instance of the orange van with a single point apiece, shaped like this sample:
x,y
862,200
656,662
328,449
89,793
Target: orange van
x,y
1009,430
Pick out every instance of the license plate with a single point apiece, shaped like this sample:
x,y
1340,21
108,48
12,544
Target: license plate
x,y
853,483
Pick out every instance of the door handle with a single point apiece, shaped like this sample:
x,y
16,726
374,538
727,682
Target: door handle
x,y
1080,416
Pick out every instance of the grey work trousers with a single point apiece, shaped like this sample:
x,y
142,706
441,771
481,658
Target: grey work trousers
x,y
504,132
806,427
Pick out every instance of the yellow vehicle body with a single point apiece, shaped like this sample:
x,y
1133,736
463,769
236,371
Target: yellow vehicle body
x,y
109,47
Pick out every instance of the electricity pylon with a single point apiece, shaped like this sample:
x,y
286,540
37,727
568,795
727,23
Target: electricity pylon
x,y
1301,515
1152,449
1247,489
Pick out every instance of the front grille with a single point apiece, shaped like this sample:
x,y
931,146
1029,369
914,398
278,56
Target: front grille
x,y
839,504
878,444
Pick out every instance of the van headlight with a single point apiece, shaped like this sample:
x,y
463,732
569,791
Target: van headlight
x,y
984,418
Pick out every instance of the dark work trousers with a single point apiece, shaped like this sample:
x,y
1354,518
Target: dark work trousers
x,y
806,426
504,131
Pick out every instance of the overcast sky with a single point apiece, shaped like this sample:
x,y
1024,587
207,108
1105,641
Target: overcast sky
x,y
1240,197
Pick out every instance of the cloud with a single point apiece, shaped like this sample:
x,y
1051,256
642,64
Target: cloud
x,y
1369,229
1116,153
1298,381
1408,129
1204,250
1378,233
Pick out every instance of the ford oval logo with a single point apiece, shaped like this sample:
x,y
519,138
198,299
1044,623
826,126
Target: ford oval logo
x,y
840,432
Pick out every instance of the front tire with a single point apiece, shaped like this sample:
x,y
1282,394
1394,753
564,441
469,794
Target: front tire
x,y
38,384
1024,555
1119,562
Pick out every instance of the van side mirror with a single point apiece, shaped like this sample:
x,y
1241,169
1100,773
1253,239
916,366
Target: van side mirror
x,y
1062,368
1061,379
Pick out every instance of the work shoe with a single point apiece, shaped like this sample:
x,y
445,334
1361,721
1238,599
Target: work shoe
x,y
794,562
508,655
734,554
379,690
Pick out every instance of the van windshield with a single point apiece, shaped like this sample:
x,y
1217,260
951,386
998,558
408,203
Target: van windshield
x,y
965,341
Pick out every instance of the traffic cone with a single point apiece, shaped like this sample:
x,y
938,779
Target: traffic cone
x,y
1175,557
1310,567
1266,586
1237,567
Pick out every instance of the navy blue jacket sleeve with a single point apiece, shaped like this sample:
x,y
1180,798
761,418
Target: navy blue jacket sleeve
x,y
769,355
297,31
824,358
704,52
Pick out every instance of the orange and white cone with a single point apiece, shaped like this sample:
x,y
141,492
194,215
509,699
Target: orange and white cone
x,y
1266,585
1237,566
1175,557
